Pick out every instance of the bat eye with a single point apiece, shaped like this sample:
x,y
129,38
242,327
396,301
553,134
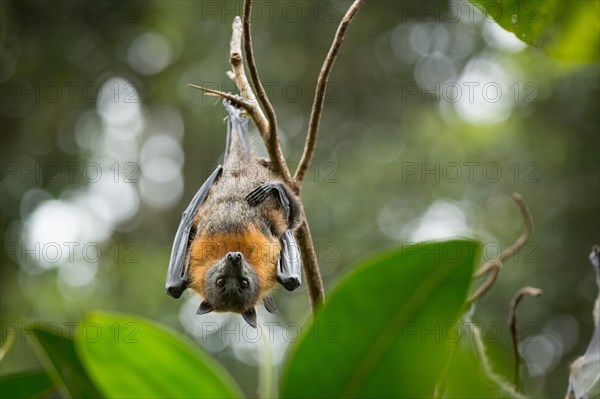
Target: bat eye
x,y
244,283
220,282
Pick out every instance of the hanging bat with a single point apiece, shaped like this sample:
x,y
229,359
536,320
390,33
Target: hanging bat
x,y
235,238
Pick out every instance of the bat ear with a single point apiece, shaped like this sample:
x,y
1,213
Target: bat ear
x,y
205,307
250,317
269,304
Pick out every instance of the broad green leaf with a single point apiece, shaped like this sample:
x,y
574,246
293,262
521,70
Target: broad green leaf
x,y
385,330
129,357
31,384
57,353
564,29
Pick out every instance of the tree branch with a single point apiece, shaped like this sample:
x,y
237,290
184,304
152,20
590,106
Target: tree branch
x,y
238,75
231,97
317,106
278,163
494,271
512,325
310,264
494,266
522,240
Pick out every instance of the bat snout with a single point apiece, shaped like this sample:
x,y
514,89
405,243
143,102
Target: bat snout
x,y
234,257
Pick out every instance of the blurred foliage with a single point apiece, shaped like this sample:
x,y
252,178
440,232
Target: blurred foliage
x,y
139,359
568,30
128,357
103,83
62,364
30,384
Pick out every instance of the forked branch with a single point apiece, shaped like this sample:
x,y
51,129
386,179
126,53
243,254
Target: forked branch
x,y
266,123
317,106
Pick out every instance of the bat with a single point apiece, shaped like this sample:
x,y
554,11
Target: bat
x,y
235,240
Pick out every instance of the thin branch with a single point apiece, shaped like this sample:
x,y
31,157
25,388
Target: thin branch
x,y
494,266
278,163
514,331
494,271
237,100
310,264
522,240
317,107
238,75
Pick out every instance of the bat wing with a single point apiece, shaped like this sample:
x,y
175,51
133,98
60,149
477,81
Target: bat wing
x,y
289,267
177,275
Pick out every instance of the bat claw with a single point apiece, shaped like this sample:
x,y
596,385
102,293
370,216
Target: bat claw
x,y
205,307
250,317
269,304
259,194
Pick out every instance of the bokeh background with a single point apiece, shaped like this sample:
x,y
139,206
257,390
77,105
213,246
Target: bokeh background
x,y
434,116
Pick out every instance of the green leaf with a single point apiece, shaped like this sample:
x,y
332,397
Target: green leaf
x,y
129,357
57,353
385,330
31,384
568,30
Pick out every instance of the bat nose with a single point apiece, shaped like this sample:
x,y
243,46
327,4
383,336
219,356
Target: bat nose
x,y
234,257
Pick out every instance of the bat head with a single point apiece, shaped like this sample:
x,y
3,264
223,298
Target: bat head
x,y
231,284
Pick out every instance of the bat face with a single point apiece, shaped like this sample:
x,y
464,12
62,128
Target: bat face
x,y
231,284
232,272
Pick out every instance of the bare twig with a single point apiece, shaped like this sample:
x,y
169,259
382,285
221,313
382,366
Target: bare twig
x,y
231,97
518,243
238,75
310,264
494,266
494,271
317,107
278,163
514,330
